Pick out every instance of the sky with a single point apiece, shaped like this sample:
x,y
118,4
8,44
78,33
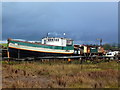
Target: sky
x,y
83,22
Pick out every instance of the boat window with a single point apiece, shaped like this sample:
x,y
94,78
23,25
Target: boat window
x,y
53,39
109,54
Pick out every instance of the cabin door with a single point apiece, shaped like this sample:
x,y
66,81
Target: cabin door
x,y
44,41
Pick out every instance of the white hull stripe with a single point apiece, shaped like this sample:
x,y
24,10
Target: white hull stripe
x,y
40,49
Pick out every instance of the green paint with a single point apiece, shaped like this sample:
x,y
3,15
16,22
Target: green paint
x,y
43,46
93,50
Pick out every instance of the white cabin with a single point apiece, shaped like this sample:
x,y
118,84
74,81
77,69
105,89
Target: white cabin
x,y
57,41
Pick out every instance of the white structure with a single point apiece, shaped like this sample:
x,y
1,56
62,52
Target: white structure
x,y
57,41
112,53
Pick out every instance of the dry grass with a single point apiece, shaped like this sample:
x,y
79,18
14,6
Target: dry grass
x,y
37,75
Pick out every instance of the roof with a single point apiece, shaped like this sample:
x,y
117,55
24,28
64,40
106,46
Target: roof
x,y
58,37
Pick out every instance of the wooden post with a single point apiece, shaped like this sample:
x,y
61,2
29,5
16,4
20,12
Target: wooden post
x,y
8,54
81,60
18,53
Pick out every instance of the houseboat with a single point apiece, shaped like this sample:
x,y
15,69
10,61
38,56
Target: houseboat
x,y
49,46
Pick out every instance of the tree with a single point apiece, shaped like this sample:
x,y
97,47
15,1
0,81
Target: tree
x,y
107,46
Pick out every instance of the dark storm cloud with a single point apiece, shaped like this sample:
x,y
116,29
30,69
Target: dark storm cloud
x,y
81,21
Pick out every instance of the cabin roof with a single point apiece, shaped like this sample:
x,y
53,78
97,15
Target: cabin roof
x,y
58,38
30,42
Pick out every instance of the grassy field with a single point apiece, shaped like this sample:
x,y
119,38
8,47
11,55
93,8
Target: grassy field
x,y
3,44
59,75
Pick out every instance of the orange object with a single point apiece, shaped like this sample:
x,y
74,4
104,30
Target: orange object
x,y
69,59
88,50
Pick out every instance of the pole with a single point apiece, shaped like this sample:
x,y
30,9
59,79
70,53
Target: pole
x,y
100,42
18,53
8,54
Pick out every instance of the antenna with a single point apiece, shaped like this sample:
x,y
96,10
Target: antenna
x,y
100,41
48,34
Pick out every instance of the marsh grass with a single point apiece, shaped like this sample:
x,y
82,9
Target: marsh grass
x,y
60,75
